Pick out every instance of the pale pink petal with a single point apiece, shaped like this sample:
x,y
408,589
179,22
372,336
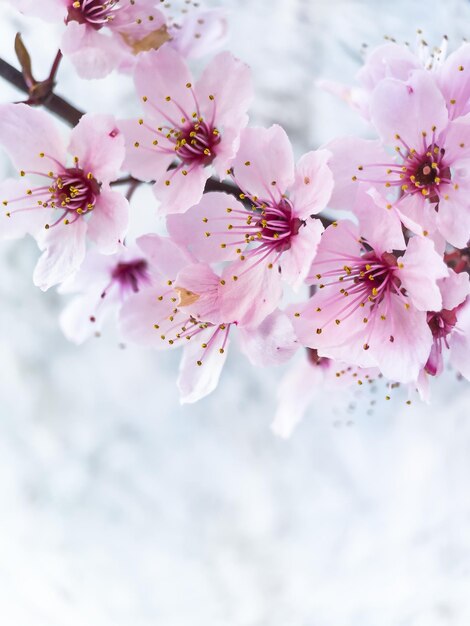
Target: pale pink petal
x,y
15,222
390,60
457,143
338,239
420,268
454,289
459,342
144,159
251,297
166,257
417,214
148,319
453,78
163,74
295,263
453,217
313,184
177,192
226,151
47,10
85,315
270,343
93,53
264,165
64,250
28,133
204,231
200,33
99,146
228,80
379,224
296,392
349,161
197,381
109,221
198,289
420,98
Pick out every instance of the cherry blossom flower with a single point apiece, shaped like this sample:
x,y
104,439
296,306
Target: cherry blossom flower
x,y
59,200
198,125
372,299
274,237
103,35
428,174
451,74
307,381
102,283
450,326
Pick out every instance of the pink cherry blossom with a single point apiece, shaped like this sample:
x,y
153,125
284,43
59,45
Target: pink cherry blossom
x,y
371,301
61,201
198,124
273,237
450,326
102,284
426,180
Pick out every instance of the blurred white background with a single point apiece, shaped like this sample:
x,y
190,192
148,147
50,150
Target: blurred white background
x,y
118,507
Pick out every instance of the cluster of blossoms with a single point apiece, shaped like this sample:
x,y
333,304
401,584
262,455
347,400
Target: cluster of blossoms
x,y
382,293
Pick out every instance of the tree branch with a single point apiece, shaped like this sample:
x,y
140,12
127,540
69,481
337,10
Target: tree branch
x,y
51,101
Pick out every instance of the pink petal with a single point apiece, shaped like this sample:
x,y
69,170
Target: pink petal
x,y
264,165
389,60
197,381
253,296
348,155
228,80
47,10
313,184
454,82
99,146
93,54
337,240
163,74
454,289
108,223
26,133
203,228
296,262
270,343
14,225
453,217
459,342
200,282
64,251
420,98
183,191
296,392
166,257
379,224
85,315
143,159
201,33
422,267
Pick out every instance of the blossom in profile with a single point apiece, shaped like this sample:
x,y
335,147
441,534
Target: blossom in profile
x,y
273,236
188,129
372,295
63,196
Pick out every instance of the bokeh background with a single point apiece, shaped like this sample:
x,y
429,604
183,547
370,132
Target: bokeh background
x,y
119,507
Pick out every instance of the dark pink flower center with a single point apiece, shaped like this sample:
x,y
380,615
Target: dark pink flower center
x,y
95,13
195,143
131,275
365,281
74,191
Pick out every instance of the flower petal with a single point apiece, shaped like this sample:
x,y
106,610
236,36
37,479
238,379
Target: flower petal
x,y
109,221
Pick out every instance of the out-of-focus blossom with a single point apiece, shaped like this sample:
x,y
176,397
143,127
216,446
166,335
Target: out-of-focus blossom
x,y
103,35
61,200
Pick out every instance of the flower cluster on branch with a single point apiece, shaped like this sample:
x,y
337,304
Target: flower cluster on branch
x,y
248,252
